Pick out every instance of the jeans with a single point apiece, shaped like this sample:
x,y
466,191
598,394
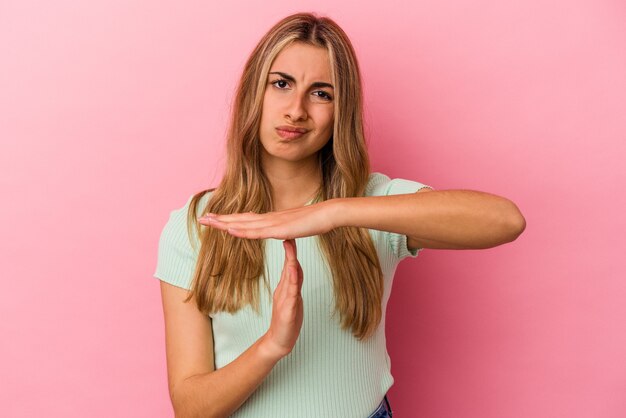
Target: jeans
x,y
383,410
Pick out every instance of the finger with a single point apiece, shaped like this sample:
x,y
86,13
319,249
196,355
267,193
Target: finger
x,y
232,217
241,232
295,254
237,223
249,230
292,268
286,261
295,248
300,277
279,293
293,260
289,250
294,288
296,272
284,278
298,281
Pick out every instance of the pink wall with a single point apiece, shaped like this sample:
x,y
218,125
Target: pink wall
x,y
113,113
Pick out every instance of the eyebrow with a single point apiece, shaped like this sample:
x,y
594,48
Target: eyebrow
x,y
315,84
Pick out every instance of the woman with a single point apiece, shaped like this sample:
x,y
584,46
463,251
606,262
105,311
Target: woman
x,y
298,172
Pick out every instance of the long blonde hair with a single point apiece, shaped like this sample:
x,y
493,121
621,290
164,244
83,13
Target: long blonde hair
x,y
229,268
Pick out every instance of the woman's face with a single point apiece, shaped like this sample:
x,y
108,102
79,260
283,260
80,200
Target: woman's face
x,y
301,97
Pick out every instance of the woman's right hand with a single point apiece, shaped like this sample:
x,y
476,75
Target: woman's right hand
x,y
287,312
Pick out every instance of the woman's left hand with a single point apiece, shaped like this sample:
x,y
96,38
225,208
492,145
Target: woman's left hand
x,y
300,222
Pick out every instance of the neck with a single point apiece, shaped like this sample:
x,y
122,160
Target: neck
x,y
293,184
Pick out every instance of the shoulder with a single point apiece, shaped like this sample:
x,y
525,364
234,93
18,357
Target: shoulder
x,y
203,200
177,253
380,184
176,227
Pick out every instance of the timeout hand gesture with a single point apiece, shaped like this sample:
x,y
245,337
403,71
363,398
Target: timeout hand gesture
x,y
287,310
287,224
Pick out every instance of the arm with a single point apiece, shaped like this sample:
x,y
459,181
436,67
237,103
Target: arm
x,y
196,388
450,219
220,393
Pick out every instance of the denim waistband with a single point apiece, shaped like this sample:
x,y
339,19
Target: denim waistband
x,y
383,410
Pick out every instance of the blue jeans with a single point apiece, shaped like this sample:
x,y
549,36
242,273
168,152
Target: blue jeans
x,y
383,410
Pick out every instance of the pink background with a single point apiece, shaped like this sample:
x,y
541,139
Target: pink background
x,y
112,113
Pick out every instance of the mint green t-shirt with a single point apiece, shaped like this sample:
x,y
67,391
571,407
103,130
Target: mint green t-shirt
x,y
329,373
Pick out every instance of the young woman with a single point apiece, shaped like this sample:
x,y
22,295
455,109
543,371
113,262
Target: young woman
x,y
275,299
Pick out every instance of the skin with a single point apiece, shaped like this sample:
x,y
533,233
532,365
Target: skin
x,y
441,219
453,219
291,166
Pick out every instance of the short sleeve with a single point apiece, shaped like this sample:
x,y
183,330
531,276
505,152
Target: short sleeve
x,y
381,185
176,259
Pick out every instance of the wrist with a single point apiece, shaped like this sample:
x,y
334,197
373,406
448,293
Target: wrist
x,y
268,350
338,212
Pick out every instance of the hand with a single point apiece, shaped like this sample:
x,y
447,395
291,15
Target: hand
x,y
287,311
288,224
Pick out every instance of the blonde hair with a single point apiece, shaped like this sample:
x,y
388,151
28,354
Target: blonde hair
x,y
229,268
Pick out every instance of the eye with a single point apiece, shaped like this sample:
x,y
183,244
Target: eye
x,y
325,96
281,80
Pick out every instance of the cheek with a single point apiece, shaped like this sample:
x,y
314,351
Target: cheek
x,y
266,119
330,122
323,117
266,106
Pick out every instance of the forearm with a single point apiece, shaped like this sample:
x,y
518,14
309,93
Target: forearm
x,y
465,218
221,392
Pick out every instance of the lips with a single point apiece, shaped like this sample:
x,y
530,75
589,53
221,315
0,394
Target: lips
x,y
289,132
289,135
289,128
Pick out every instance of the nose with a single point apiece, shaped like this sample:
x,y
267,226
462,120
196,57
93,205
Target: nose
x,y
296,109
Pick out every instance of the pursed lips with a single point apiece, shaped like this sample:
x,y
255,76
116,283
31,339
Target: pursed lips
x,y
287,128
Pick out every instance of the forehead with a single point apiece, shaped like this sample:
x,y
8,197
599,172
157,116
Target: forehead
x,y
303,61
